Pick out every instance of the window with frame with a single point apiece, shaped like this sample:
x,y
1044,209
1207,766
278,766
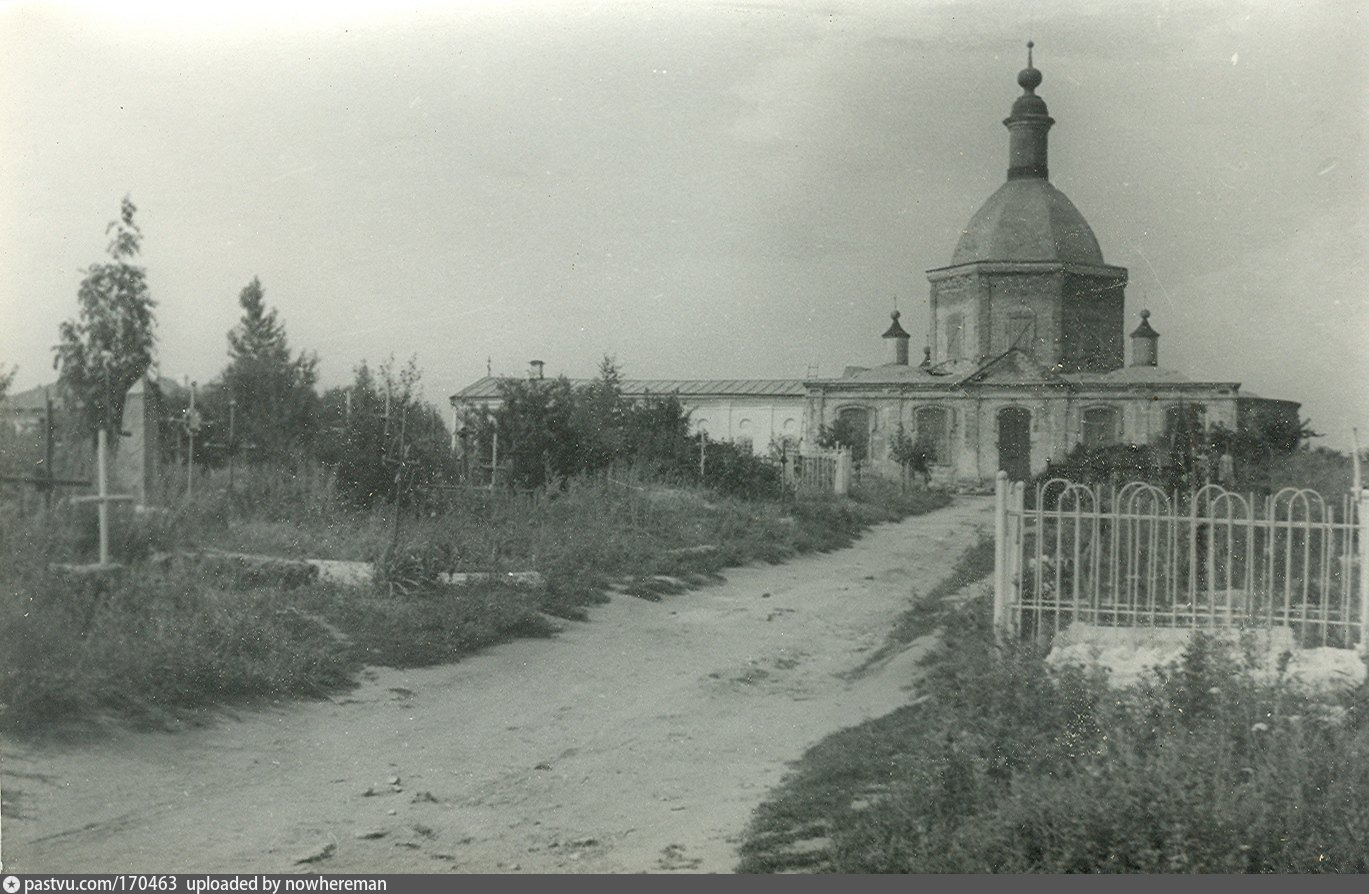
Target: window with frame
x,y
1017,329
1102,427
933,433
955,337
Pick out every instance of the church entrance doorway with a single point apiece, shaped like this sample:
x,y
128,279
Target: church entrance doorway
x,y
1015,442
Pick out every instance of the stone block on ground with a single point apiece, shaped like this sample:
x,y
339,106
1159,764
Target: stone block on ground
x,y
1130,654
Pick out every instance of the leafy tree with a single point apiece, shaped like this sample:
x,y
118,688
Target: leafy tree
x,y
109,345
657,438
911,455
275,405
384,441
846,431
600,419
537,435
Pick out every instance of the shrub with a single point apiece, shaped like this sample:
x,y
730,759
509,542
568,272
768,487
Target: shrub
x,y
1006,766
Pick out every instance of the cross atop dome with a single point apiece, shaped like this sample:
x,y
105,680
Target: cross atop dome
x,y
1029,78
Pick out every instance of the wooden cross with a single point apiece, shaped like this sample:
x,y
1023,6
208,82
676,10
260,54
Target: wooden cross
x,y
103,497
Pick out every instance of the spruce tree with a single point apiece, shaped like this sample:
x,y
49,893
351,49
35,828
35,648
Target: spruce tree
x,y
276,407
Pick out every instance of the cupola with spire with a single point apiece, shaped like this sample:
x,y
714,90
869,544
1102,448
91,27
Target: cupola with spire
x,y
900,337
1028,261
1145,343
1027,127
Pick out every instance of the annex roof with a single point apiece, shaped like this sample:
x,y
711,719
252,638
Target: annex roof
x,y
487,388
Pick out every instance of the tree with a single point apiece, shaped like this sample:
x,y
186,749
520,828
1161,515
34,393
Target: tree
x,y
600,419
387,443
275,405
911,455
846,431
109,345
537,436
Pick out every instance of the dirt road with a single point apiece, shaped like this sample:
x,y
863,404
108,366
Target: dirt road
x,y
640,741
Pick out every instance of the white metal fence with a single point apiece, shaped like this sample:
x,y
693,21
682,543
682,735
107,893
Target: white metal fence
x,y
1138,556
825,472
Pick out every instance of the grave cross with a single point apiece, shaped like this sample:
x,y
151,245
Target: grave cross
x,y
103,497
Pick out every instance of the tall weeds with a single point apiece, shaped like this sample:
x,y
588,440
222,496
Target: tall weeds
x,y
174,634
1006,766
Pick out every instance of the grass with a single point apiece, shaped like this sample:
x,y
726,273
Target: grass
x,y
1004,766
926,612
169,635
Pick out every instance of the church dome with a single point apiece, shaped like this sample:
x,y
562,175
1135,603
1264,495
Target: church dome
x,y
1027,219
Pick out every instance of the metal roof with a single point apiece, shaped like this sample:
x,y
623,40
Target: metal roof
x,y
488,387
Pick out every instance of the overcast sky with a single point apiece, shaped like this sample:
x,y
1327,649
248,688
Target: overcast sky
x,y
700,189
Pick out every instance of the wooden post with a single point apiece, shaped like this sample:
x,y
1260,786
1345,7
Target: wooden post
x,y
232,440
102,485
102,497
494,460
48,436
191,423
1000,554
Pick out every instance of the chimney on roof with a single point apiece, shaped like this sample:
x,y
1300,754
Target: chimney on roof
x,y
535,369
895,332
1145,343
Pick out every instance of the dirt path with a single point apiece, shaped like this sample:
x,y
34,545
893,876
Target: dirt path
x,y
638,742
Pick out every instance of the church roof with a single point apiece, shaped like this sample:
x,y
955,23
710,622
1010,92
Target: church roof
x,y
1027,219
1138,375
1013,367
487,388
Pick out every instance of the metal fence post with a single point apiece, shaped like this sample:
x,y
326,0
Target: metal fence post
x,y
1000,555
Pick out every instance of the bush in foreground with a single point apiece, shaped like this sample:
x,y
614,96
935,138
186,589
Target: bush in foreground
x,y
1005,766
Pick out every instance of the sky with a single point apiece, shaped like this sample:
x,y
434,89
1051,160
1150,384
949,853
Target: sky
x,y
698,189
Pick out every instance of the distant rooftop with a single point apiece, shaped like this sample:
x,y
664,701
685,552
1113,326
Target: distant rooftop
x,y
33,400
487,388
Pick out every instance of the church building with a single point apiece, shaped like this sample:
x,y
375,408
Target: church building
x,y
1026,355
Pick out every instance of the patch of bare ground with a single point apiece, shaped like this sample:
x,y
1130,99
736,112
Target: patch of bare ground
x,y
638,742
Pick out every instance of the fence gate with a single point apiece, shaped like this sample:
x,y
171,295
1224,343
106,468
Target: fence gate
x,y
821,472
1137,556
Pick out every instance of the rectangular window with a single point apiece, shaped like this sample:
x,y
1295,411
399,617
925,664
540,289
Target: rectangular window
x,y
934,433
1102,427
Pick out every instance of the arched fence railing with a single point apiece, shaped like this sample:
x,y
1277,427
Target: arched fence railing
x,y
1136,556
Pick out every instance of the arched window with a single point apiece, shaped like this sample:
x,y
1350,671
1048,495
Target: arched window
x,y
853,430
1102,427
745,438
932,427
955,337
